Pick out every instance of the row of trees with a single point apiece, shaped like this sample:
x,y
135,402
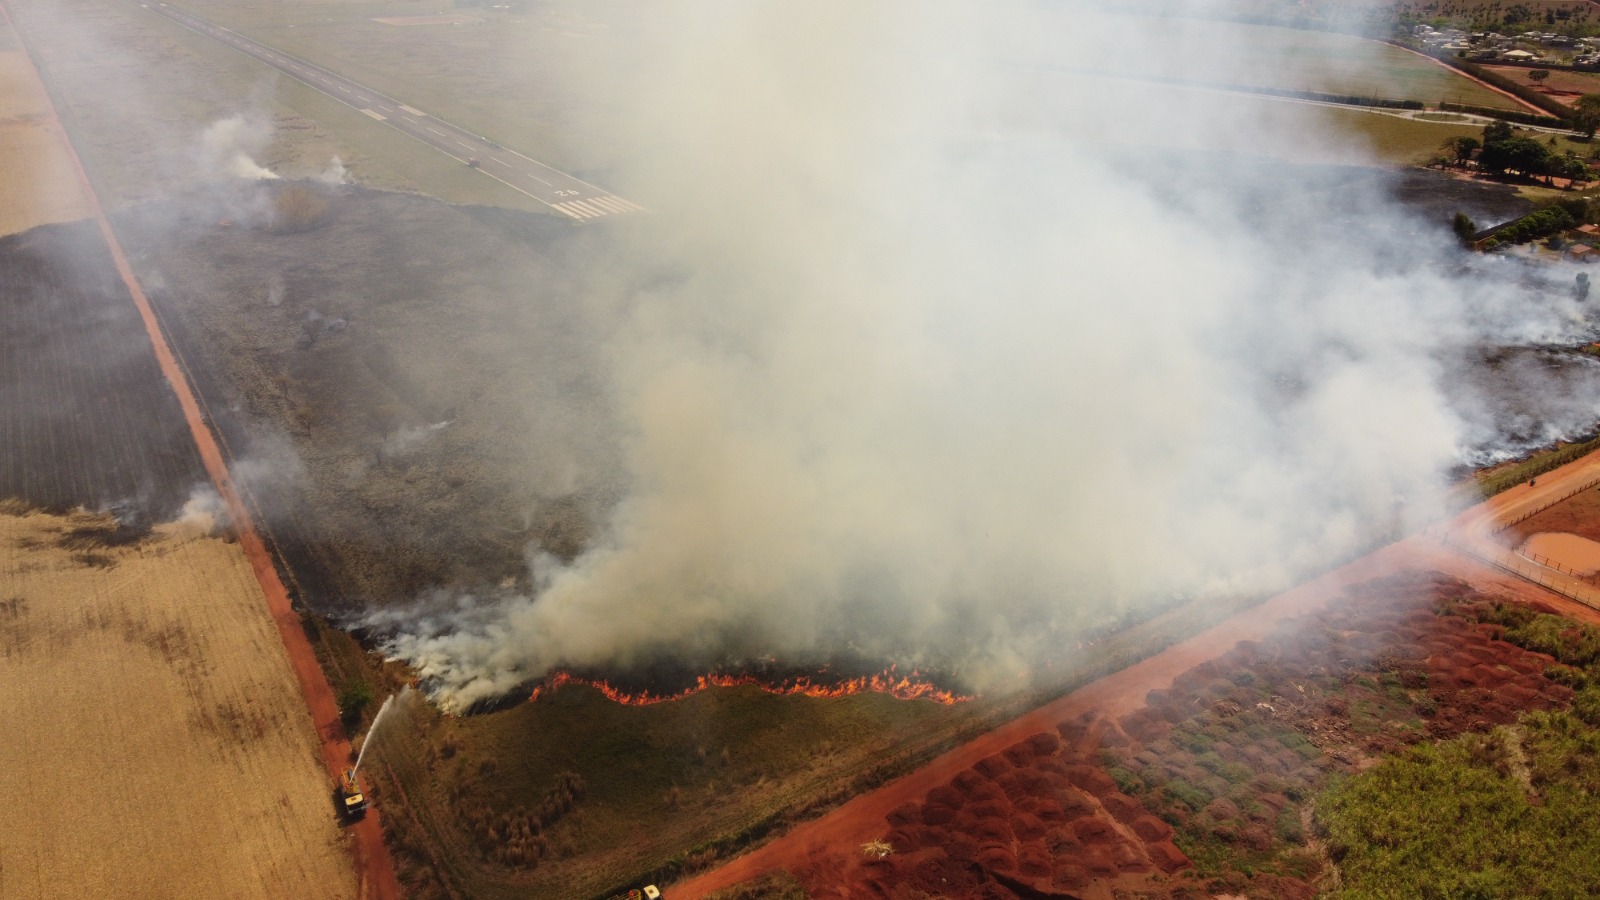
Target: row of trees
x,y
1502,151
1568,212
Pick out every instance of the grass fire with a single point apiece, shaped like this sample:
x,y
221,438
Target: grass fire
x,y
799,450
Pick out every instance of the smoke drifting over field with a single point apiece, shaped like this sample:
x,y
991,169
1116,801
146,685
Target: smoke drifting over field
x,y
939,356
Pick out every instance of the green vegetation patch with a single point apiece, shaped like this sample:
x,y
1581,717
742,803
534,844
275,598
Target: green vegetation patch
x,y
1500,478
1501,814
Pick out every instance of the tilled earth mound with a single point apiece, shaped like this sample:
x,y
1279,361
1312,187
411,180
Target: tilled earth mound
x,y
1208,787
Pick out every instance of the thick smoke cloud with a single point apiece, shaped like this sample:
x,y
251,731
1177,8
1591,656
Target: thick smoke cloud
x,y
945,356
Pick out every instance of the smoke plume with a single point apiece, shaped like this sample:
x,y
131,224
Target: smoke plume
x,y
229,147
940,355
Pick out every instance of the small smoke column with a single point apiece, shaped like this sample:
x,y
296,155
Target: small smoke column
x,y
409,437
929,357
229,146
204,509
335,173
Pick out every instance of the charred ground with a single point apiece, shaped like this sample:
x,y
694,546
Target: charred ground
x,y
412,393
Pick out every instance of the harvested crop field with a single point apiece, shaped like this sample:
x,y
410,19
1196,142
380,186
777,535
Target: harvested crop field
x,y
156,743
37,185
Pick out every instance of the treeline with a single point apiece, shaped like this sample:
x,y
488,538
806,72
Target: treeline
x,y
1531,227
1505,115
1556,218
1346,99
1521,91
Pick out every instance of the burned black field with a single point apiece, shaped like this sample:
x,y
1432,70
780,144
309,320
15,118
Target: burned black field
x,y
89,421
414,396
408,389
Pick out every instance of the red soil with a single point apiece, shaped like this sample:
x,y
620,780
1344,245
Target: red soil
x,y
991,817
373,864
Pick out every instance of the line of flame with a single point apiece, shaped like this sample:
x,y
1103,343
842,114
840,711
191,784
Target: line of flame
x,y
902,687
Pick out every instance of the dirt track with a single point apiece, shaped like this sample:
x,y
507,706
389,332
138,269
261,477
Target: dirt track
x,y
827,848
377,877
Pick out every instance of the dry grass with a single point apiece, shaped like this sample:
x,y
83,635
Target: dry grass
x,y
154,740
37,183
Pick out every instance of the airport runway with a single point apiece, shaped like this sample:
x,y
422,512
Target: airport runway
x,y
560,191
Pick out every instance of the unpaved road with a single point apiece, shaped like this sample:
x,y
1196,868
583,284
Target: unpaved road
x,y
290,658
830,844
154,741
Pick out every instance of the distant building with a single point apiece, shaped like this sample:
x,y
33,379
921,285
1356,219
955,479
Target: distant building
x,y
1582,253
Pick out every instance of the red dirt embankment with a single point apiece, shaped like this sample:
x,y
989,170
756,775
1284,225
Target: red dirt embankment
x,y
1110,840
373,863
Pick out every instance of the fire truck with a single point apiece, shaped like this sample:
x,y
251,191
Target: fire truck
x,y
352,802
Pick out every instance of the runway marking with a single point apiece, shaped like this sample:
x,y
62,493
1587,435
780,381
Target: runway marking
x,y
602,204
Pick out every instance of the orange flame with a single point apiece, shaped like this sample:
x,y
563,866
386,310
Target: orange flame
x,y
903,687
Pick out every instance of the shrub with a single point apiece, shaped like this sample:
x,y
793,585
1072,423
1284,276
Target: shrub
x,y
297,207
353,700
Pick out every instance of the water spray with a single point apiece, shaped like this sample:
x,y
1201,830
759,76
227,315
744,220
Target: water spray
x,y
376,721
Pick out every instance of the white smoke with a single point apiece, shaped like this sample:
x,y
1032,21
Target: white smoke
x,y
955,361
204,509
407,438
335,173
229,147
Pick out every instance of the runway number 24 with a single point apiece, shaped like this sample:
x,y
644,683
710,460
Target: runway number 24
x,y
566,193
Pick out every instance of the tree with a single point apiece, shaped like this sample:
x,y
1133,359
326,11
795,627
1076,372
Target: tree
x,y
1538,75
1498,130
1461,148
1586,115
1570,167
1524,155
1464,227
352,700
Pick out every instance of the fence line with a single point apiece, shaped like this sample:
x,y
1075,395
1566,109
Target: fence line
x,y
1502,526
1527,569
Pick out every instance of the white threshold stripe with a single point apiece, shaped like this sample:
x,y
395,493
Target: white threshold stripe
x,y
595,206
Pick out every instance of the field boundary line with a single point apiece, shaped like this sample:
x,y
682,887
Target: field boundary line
x,y
374,867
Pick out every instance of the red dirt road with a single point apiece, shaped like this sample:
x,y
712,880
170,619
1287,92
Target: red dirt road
x,y
1476,80
827,849
374,868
